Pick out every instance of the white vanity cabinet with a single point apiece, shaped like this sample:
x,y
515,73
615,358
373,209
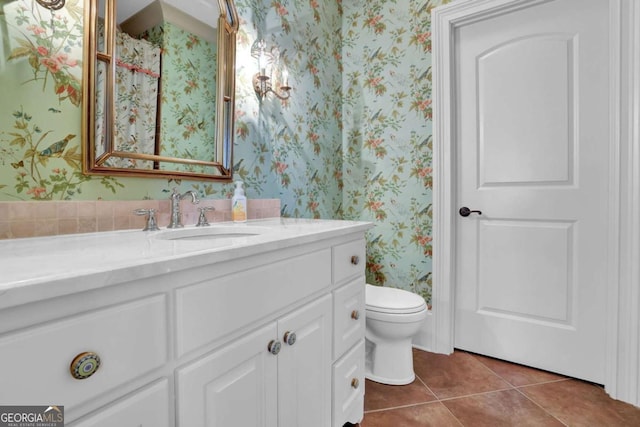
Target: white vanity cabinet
x,y
304,366
279,375
148,407
268,335
348,332
236,385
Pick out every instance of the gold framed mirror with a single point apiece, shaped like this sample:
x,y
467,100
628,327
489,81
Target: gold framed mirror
x,y
159,88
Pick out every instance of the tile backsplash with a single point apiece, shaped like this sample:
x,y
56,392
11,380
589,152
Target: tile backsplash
x,y
33,219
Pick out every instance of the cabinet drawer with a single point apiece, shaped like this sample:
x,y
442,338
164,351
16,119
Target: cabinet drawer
x,y
348,316
349,260
130,339
147,407
210,310
348,387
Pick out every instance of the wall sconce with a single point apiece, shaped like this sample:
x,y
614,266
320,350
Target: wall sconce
x,y
270,73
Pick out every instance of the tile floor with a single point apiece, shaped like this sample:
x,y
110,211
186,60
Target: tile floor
x,y
465,389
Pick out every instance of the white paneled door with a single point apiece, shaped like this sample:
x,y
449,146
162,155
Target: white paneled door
x,y
531,146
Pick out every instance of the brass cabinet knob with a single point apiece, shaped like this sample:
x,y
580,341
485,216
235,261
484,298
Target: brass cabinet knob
x,y
355,314
84,365
355,383
355,260
274,347
289,337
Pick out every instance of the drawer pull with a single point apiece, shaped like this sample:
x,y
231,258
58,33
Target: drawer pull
x,y
84,365
355,314
355,259
274,347
355,383
290,338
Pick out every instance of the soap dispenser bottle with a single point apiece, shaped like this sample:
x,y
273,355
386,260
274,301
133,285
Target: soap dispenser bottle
x,y
239,204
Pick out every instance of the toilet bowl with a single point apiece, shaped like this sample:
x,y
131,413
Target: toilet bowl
x,y
393,316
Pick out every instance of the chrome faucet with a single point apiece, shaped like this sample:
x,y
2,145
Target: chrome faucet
x,y
176,215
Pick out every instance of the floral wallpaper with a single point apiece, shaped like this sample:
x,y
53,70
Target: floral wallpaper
x,y
189,65
292,149
387,136
41,73
353,141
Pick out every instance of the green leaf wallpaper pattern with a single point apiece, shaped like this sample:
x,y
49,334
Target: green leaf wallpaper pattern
x,y
353,141
387,134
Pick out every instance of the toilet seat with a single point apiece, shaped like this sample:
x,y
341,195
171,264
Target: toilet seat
x,y
393,301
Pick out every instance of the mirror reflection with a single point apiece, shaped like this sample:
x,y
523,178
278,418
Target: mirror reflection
x,y
162,88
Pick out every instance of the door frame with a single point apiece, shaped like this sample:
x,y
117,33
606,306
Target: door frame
x,y
622,380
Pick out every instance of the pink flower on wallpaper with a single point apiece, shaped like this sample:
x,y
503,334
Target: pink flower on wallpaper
x,y
281,167
374,267
57,62
423,172
47,45
313,136
423,105
424,240
375,205
51,64
63,59
36,191
281,9
313,4
374,81
37,30
72,62
374,142
423,37
374,21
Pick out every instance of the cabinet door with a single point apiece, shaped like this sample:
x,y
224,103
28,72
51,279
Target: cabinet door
x,y
234,386
304,367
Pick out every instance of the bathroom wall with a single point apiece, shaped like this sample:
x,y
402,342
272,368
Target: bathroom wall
x,y
353,141
40,114
387,137
292,149
288,151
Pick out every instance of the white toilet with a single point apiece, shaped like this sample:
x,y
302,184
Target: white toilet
x,y
393,317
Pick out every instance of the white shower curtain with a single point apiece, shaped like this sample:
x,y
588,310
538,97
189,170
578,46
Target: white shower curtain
x,y
136,99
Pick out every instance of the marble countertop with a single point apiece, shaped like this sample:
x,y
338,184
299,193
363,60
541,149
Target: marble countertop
x,y
33,269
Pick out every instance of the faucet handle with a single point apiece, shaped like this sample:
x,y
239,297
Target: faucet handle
x,y
202,220
152,224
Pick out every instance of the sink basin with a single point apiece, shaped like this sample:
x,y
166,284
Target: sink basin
x,y
212,233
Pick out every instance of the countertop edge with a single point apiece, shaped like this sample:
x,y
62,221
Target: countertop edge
x,y
17,293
